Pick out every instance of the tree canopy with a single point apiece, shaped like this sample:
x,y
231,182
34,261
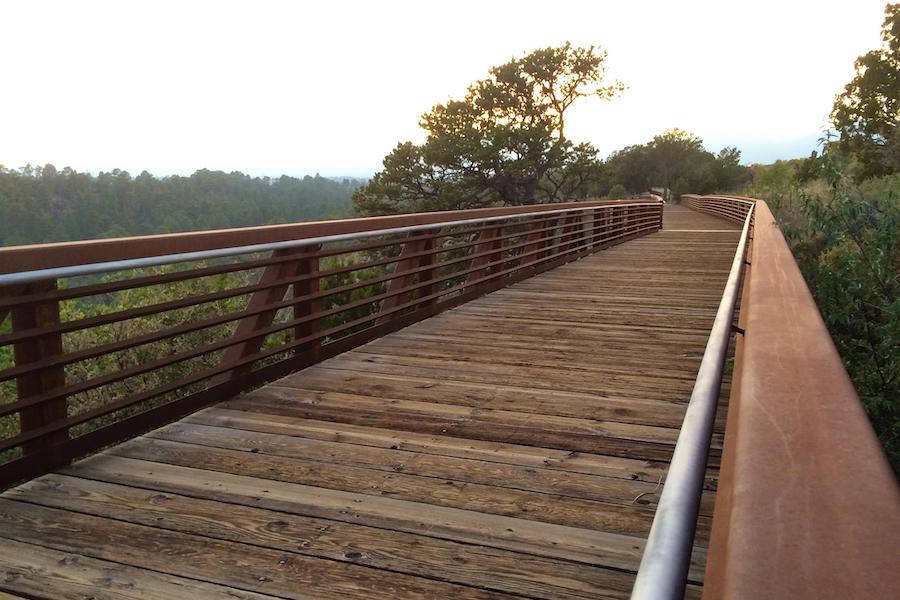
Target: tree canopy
x,y
503,143
674,160
867,113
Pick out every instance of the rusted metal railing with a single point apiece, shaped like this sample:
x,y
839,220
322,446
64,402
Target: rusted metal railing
x,y
667,555
111,338
807,505
728,207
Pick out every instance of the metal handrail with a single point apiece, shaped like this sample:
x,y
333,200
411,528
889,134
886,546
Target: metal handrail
x,y
151,261
662,574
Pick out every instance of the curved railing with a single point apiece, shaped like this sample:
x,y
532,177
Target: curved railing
x,y
731,208
807,506
110,338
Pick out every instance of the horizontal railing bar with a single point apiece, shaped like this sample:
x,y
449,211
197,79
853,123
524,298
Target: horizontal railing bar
x,y
189,301
172,386
662,574
188,274
135,263
240,314
231,341
61,254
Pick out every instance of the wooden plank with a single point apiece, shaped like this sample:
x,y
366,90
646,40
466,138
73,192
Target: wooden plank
x,y
494,569
621,386
551,508
232,564
496,531
512,418
576,485
490,396
456,421
514,454
43,573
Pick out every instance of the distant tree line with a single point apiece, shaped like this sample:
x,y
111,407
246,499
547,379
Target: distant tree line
x,y
674,161
44,204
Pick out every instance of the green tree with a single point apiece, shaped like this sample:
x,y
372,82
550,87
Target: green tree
x,y
618,192
728,170
676,154
676,161
867,113
503,143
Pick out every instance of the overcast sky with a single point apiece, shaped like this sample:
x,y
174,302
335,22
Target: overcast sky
x,y
332,86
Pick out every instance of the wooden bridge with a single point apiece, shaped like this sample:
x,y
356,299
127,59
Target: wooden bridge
x,y
477,404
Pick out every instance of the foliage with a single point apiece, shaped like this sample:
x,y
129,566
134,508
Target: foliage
x,y
618,192
776,182
867,113
841,215
43,204
112,362
847,246
114,302
677,161
504,142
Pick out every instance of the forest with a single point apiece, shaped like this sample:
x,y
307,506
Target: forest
x,y
46,204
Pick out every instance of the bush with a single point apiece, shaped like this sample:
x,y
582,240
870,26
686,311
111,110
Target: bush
x,y
618,192
847,245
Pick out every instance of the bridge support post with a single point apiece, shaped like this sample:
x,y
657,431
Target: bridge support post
x,y
411,258
35,349
269,296
487,241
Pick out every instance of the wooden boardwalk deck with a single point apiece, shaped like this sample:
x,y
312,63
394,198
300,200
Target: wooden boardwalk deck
x,y
509,448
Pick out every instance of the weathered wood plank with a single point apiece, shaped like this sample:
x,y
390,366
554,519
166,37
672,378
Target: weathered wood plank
x,y
232,564
458,421
514,454
48,574
436,491
478,566
496,531
548,481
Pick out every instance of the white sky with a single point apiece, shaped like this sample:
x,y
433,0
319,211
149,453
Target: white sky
x,y
331,87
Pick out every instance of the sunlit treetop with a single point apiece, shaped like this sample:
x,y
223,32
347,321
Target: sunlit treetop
x,y
867,113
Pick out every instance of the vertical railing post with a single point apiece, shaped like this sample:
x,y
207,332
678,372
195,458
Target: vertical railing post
x,y
605,217
571,234
427,275
575,226
39,348
534,240
306,306
487,241
550,237
410,258
588,232
273,294
558,236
